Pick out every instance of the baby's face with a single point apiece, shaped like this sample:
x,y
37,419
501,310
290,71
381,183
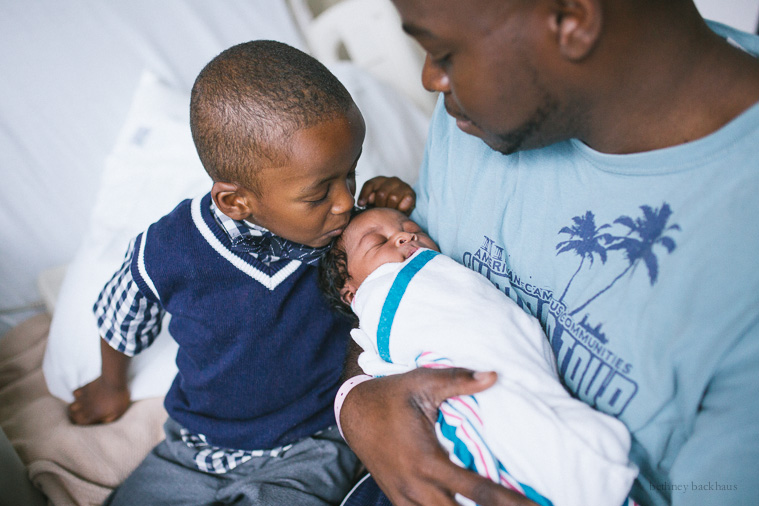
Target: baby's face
x,y
379,236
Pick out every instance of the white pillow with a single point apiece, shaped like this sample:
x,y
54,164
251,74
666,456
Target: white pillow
x,y
153,167
396,129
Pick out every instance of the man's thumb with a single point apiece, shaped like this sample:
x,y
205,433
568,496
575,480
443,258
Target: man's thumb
x,y
456,381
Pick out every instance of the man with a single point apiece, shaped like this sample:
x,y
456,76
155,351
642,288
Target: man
x,y
607,184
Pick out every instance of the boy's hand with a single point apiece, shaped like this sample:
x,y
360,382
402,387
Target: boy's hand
x,y
98,402
390,192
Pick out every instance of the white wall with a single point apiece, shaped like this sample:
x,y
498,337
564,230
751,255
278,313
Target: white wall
x,y
742,14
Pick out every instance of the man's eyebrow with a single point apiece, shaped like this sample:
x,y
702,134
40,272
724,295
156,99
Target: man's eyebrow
x,y
416,31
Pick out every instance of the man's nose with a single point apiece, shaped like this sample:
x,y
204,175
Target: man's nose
x,y
434,77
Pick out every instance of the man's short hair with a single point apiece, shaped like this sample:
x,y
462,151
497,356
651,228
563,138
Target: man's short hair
x,y
250,98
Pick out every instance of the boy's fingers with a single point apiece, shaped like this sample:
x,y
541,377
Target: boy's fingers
x,y
379,197
407,204
75,414
392,200
366,192
366,195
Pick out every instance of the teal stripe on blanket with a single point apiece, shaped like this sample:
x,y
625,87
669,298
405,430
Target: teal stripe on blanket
x,y
394,297
462,452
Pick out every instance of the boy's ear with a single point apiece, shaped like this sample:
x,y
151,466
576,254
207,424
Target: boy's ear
x,y
232,200
577,26
347,292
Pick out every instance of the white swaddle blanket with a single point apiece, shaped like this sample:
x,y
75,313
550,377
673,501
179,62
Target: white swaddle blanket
x,y
552,443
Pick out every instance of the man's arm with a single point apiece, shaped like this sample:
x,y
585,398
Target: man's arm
x,y
351,367
389,423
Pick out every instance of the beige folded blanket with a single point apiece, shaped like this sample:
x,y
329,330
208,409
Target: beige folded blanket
x,y
72,465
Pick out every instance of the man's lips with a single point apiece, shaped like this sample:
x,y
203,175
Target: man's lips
x,y
462,121
457,115
468,127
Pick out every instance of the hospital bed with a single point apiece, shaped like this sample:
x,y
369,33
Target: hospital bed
x,y
94,146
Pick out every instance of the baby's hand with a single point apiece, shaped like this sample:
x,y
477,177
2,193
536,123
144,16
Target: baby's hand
x,y
391,192
98,402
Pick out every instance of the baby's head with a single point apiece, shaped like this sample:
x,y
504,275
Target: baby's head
x,y
280,137
372,238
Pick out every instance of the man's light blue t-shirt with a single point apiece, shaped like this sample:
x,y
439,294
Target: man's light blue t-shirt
x,y
643,271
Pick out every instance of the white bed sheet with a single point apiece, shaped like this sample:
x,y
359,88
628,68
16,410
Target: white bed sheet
x,y
69,71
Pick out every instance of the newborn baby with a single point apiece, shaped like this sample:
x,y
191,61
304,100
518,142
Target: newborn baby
x,y
419,308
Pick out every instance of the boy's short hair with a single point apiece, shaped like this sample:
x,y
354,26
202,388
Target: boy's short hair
x,y
250,98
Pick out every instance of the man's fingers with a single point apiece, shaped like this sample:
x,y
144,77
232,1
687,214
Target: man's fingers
x,y
479,489
446,383
420,496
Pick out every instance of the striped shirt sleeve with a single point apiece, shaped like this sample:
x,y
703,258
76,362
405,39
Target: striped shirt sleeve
x,y
127,320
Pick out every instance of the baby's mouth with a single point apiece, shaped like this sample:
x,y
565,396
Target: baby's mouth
x,y
410,251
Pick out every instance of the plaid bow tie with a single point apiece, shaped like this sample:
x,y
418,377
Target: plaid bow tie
x,y
269,248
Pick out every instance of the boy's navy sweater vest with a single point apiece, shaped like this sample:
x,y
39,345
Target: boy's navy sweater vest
x,y
260,351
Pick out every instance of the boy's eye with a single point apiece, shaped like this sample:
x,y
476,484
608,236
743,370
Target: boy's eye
x,y
351,177
319,200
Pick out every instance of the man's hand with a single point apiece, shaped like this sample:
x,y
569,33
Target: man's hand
x,y
389,423
98,402
390,192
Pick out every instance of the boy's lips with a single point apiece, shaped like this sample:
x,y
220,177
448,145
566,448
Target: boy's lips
x,y
339,230
336,232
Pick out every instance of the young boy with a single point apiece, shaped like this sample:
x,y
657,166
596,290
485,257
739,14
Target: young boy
x,y
418,308
260,353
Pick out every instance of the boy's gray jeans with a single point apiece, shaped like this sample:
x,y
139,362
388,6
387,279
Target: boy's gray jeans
x,y
316,471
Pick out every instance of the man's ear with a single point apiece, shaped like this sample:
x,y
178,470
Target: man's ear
x,y
347,292
577,26
232,200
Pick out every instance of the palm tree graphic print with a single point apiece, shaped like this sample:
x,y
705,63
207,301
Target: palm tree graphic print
x,y
590,366
639,245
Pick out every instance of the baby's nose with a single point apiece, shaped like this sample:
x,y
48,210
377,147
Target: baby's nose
x,y
404,237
